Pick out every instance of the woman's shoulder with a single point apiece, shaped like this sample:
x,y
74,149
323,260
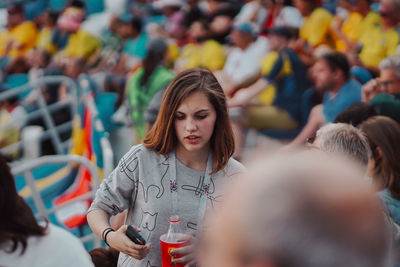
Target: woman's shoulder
x,y
143,154
234,167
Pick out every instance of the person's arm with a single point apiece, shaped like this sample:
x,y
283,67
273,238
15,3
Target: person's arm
x,y
112,198
99,221
315,121
246,95
369,90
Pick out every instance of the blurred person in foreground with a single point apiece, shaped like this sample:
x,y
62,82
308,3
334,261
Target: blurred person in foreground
x,y
303,210
24,241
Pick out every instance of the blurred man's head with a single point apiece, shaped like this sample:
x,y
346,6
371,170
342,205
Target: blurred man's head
x,y
278,38
242,35
305,7
345,140
199,31
303,211
15,15
389,80
390,13
331,72
129,26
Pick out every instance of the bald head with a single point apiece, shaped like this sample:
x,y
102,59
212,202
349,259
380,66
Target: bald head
x,y
307,210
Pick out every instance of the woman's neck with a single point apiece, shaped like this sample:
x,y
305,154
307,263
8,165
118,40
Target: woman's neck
x,y
195,160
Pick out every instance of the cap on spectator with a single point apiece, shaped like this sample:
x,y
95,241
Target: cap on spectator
x,y
164,3
15,9
281,31
361,74
245,27
125,18
157,45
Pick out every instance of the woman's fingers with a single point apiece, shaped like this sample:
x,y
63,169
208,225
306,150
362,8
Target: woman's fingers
x,y
184,259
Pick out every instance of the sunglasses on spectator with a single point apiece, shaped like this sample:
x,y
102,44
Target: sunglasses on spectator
x,y
385,83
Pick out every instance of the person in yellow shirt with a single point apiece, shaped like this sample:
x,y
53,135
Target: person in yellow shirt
x,y
44,40
80,44
361,19
315,30
20,36
382,40
202,51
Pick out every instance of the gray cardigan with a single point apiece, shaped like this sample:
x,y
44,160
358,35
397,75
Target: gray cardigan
x,y
141,184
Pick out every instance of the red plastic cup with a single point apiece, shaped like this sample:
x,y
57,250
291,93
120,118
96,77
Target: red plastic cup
x,y
166,248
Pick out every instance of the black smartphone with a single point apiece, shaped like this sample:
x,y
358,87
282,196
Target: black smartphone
x,y
135,236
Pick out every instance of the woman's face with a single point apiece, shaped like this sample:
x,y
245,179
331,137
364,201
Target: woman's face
x,y
194,123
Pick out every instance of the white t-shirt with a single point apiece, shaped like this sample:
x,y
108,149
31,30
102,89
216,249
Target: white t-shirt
x,y
244,64
58,248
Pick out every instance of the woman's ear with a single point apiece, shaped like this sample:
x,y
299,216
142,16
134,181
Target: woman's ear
x,y
378,152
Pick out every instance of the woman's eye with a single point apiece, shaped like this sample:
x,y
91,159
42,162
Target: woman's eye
x,y
201,117
179,117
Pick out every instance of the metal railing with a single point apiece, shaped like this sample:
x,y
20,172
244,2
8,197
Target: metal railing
x,y
26,169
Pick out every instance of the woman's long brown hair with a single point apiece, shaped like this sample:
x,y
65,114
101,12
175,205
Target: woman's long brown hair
x,y
383,132
162,137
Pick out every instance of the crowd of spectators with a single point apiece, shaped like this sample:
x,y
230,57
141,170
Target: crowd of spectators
x,y
318,74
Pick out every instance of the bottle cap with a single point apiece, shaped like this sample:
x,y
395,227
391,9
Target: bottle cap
x,y
174,219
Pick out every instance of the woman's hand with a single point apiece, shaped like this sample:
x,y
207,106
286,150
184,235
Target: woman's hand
x,y
121,242
187,253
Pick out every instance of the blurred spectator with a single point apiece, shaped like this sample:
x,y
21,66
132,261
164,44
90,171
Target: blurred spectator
x,y
44,40
12,118
20,35
345,140
201,51
145,82
388,81
382,40
243,61
80,43
22,238
220,14
347,31
253,11
192,13
134,48
282,13
305,211
315,28
331,74
283,69
110,51
173,17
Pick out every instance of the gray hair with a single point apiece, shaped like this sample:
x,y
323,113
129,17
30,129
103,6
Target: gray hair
x,y
344,139
392,62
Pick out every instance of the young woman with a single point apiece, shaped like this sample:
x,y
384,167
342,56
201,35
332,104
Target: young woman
x,y
179,170
383,135
25,242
